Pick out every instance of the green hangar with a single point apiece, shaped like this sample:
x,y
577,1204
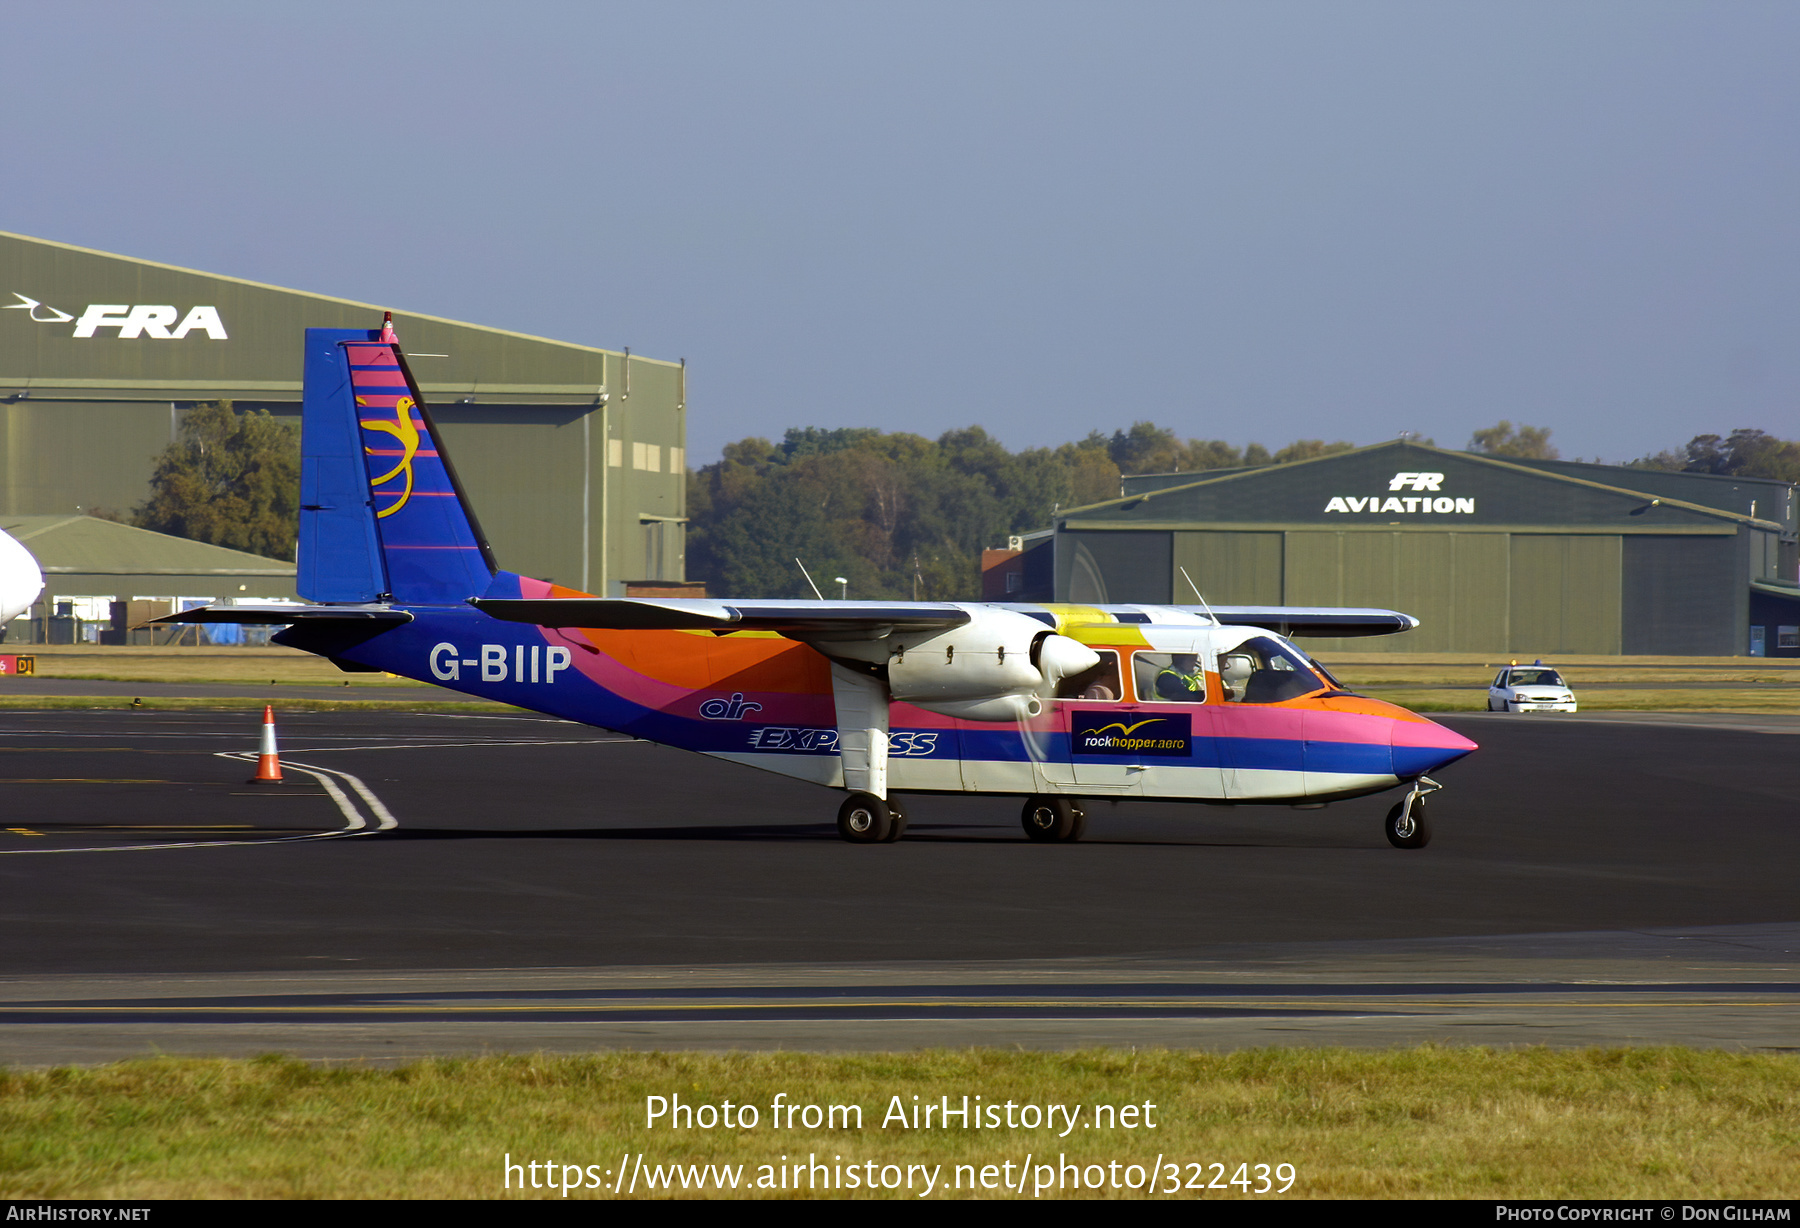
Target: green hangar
x,y
574,456
1490,554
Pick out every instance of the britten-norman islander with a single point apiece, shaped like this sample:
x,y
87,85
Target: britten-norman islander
x,y
1056,704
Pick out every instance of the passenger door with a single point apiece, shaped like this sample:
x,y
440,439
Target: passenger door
x,y
1095,711
1174,743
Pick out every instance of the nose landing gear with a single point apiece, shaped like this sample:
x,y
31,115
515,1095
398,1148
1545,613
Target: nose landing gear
x,y
1406,824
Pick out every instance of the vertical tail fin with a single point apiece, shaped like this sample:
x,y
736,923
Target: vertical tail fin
x,y
382,515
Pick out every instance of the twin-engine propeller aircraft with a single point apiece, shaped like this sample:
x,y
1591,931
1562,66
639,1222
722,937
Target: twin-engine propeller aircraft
x,y
1059,704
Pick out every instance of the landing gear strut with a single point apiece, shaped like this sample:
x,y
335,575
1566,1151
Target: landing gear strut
x,y
1406,825
1049,818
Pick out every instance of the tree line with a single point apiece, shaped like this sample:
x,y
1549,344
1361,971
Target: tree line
x,y
895,514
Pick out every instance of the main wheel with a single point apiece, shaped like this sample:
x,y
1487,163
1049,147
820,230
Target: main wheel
x,y
1052,818
896,821
1416,832
864,819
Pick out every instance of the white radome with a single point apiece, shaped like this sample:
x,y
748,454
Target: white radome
x,y
20,578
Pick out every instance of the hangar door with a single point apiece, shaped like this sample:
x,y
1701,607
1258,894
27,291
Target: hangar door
x,y
1455,584
1565,593
1229,568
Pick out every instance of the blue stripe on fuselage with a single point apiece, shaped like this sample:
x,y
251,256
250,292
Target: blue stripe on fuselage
x,y
1005,744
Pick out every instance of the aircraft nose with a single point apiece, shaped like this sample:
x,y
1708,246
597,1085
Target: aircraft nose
x,y
1425,746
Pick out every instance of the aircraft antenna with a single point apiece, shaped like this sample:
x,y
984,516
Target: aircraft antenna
x,y
809,583
1196,588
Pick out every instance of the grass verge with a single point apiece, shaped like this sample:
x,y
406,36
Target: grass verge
x,y
236,666
1663,1123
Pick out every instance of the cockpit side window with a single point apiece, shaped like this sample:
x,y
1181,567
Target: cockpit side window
x,y
1263,671
1099,683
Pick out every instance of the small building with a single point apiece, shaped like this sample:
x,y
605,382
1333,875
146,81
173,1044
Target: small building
x,y
92,567
1491,554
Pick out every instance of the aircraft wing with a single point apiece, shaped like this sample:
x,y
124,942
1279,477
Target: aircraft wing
x,y
1294,621
822,619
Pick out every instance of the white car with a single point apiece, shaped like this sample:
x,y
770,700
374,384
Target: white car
x,y
1530,688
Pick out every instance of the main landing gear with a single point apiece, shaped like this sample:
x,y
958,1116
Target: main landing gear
x,y
1049,818
867,819
1406,824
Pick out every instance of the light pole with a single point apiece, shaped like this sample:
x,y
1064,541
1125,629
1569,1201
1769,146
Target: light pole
x,y
843,588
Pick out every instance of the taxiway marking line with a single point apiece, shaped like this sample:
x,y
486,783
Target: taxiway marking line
x,y
355,824
80,780
385,821
344,804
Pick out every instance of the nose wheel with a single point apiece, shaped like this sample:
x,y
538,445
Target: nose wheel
x,y
1407,827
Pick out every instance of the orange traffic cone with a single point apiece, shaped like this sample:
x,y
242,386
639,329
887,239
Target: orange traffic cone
x,y
268,761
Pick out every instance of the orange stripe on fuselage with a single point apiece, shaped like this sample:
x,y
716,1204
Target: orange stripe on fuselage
x,y
707,662
1356,705
702,661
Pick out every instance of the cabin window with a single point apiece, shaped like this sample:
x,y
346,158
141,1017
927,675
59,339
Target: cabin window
x,y
1101,683
1169,677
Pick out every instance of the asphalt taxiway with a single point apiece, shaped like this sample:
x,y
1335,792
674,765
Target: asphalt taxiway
x,y
457,882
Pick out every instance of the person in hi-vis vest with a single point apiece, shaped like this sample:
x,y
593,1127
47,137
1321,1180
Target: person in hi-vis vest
x,y
1183,681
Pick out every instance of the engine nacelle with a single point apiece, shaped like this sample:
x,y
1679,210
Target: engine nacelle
x,y
996,667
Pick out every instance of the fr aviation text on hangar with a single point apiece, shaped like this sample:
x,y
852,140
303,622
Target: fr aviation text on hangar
x,y
1441,505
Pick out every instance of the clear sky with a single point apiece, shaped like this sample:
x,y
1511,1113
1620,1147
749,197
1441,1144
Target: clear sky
x,y
1247,221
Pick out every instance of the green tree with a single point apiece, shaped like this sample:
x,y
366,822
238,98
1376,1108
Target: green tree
x,y
1307,449
1149,448
1503,439
229,479
1744,453
1092,474
882,509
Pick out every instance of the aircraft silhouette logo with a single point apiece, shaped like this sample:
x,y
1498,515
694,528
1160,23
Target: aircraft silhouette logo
x,y
31,305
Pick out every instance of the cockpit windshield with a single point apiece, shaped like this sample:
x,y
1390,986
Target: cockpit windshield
x,y
1264,671
1318,667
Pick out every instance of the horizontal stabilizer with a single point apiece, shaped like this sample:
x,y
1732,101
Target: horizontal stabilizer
x,y
1295,621
276,613
807,618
